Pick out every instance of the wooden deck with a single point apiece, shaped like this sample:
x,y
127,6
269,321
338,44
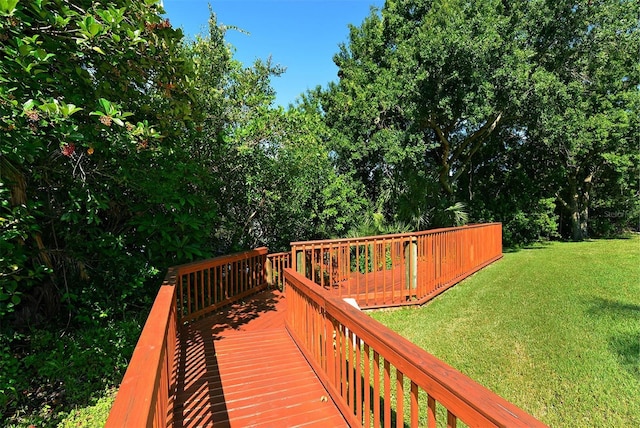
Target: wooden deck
x,y
240,368
374,289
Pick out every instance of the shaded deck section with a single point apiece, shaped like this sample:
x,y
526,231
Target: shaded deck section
x,y
240,368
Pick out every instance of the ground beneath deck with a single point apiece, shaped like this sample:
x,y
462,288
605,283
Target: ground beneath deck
x,y
240,368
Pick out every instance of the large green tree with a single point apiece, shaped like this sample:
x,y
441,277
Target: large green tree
x,y
437,98
423,85
274,181
583,100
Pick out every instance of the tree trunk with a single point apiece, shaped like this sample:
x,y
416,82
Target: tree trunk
x,y
585,203
574,208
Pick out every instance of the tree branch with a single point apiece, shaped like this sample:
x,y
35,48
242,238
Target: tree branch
x,y
478,136
564,204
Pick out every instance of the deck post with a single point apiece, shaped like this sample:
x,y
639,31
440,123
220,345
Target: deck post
x,y
411,263
300,267
269,272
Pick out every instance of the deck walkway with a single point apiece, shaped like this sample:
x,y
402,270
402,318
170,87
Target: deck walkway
x,y
240,368
379,288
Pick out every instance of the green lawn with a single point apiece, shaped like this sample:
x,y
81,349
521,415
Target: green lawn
x,y
554,329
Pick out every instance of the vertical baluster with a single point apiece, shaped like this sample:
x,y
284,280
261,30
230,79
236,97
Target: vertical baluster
x,y
243,278
358,374
317,336
350,279
251,271
201,282
431,412
233,274
424,267
393,279
451,420
365,270
330,267
341,268
357,270
399,399
217,278
387,393
227,280
208,300
328,349
245,275
351,363
337,361
343,358
313,263
376,389
367,386
346,248
414,405
181,288
239,277
188,276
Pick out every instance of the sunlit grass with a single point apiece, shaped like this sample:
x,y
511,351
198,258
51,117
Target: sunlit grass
x,y
554,329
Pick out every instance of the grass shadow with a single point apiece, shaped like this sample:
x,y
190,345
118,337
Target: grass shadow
x,y
626,346
535,246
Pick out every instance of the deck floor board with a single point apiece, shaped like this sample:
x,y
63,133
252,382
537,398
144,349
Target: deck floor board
x,y
240,368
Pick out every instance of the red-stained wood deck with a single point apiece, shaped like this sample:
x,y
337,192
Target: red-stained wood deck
x,y
240,368
373,289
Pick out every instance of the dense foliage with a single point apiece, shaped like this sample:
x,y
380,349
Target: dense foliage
x,y
88,90
521,112
125,149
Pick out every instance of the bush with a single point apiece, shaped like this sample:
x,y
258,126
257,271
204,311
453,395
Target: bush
x,y
49,373
528,226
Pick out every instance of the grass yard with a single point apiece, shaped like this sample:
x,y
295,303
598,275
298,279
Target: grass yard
x,y
554,329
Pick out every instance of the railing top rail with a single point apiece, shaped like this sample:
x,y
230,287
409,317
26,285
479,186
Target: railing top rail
x,y
220,260
389,236
471,398
283,253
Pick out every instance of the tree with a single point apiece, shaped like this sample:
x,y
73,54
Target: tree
x,y
584,87
433,94
423,85
92,96
273,180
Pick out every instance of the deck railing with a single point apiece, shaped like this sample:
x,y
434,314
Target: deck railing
x,y
276,264
379,379
146,393
188,292
355,357
208,285
401,269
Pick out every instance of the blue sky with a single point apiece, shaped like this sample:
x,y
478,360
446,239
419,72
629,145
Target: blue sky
x,y
301,35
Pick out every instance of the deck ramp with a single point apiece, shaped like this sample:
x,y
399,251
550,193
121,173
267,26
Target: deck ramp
x,y
240,368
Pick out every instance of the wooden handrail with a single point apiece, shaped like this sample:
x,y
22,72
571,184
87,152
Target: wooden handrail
x,y
336,338
399,269
347,350
144,397
206,286
391,235
215,261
